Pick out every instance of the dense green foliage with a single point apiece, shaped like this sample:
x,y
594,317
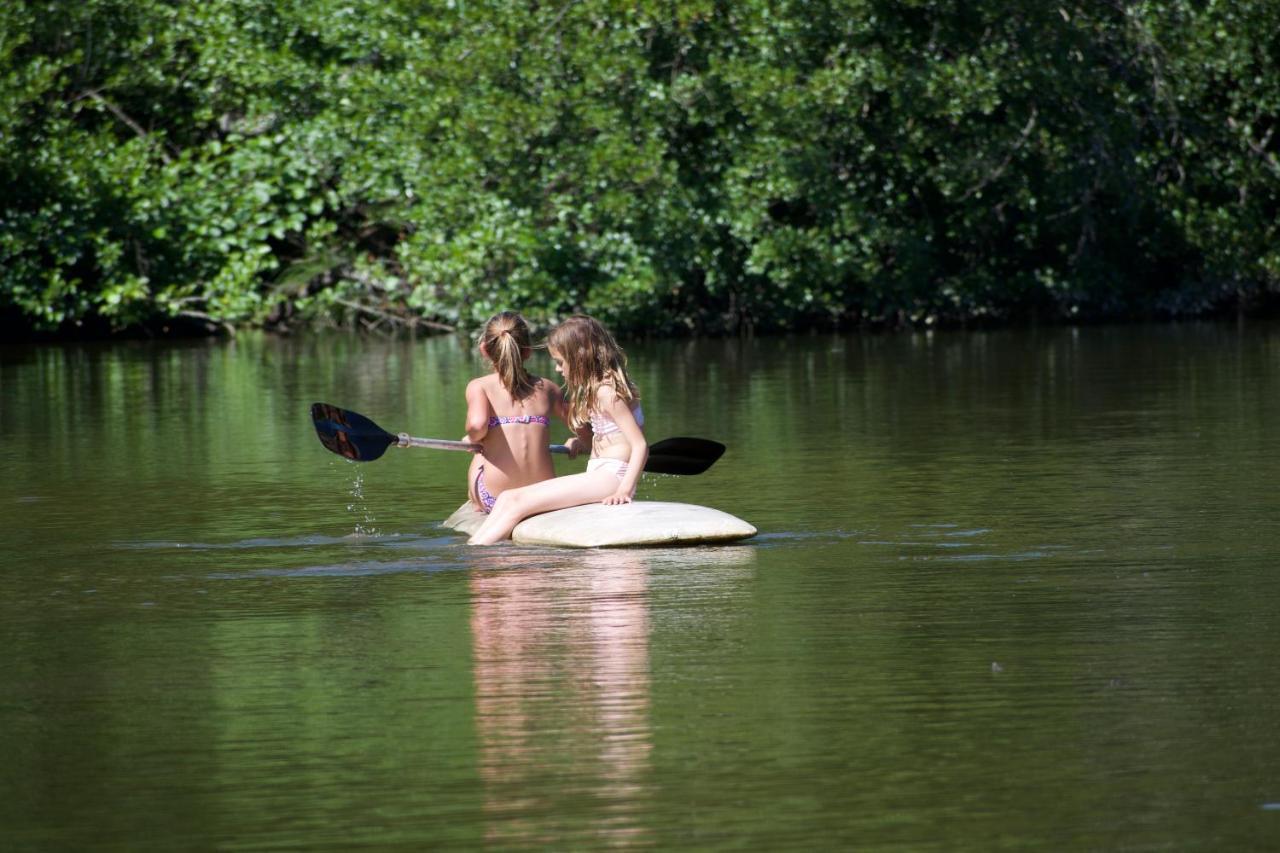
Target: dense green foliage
x,y
668,165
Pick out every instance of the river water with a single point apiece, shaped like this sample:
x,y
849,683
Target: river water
x,y
1011,589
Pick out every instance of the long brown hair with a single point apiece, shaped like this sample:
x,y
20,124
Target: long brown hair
x,y
591,359
505,339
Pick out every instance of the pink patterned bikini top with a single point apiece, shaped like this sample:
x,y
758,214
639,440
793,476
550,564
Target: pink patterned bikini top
x,y
602,424
501,420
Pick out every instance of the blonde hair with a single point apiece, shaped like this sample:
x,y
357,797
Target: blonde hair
x,y
505,339
591,360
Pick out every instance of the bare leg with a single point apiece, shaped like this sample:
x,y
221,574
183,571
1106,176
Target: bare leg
x,y
515,505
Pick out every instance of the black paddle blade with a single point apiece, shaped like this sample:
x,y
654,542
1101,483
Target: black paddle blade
x,y
683,455
349,434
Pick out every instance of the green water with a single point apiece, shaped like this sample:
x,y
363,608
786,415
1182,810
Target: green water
x,y
1011,590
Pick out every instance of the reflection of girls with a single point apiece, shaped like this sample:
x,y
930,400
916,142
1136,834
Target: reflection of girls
x,y
601,399
596,664
508,414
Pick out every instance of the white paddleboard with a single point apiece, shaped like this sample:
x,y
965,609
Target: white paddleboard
x,y
637,524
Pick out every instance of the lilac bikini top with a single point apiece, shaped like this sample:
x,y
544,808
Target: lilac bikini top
x,y
500,420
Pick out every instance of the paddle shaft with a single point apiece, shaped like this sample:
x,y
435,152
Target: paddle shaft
x,y
406,440
353,436
669,456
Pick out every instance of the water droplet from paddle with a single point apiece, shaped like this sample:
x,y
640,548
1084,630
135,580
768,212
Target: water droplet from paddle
x,y
365,521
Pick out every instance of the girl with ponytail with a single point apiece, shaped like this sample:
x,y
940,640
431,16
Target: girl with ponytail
x,y
508,414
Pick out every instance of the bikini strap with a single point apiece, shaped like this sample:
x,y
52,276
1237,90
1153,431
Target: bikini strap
x,y
499,420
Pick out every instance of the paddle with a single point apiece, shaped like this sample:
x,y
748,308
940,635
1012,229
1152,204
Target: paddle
x,y
353,436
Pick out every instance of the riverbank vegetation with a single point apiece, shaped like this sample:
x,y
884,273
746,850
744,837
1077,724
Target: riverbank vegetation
x,y
701,166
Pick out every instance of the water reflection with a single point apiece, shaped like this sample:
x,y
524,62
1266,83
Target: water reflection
x,y
562,691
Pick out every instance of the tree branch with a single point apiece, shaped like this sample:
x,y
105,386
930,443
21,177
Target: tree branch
x,y
1259,149
133,125
411,322
209,321
995,173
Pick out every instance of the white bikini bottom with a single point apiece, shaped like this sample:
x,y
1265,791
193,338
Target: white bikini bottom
x,y
617,466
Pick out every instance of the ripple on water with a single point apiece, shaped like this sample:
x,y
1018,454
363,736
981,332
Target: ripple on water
x,y
308,540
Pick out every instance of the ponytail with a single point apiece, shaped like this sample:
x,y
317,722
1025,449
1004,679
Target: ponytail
x,y
505,339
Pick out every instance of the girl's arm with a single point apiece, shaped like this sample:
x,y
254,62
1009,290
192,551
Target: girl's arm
x,y
580,442
581,439
626,421
477,413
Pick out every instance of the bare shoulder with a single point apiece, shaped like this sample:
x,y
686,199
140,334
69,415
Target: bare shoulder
x,y
547,394
606,397
480,387
546,386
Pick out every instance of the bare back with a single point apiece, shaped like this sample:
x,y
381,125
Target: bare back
x,y
517,434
